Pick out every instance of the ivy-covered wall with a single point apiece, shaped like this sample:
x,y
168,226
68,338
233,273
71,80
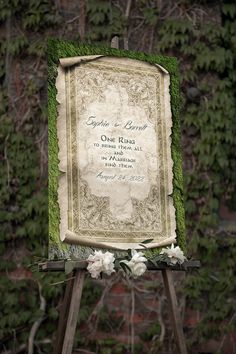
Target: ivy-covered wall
x,y
202,35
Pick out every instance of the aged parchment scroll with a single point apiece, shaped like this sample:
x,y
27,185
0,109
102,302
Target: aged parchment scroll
x,y
114,136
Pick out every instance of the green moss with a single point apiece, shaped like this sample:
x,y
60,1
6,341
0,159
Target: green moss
x,y
60,49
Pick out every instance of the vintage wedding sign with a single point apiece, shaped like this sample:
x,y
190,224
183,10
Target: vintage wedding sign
x,y
114,159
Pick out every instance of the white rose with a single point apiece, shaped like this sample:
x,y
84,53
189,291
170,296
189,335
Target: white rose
x,y
136,264
95,264
108,263
138,256
138,269
175,254
100,262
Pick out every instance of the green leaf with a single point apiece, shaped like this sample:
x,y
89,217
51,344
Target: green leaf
x,y
125,267
149,240
143,243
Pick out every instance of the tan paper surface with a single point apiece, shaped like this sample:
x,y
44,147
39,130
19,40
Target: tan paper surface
x,y
114,135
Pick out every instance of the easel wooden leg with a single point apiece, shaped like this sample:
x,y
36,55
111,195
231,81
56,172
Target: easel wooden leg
x,y
63,315
174,311
74,306
69,313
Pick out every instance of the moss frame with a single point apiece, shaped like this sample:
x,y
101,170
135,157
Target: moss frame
x,y
62,49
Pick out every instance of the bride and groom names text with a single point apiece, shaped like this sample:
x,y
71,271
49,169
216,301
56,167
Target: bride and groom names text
x,y
129,125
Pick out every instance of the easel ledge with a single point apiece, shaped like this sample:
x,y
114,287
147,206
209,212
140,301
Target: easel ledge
x,y
58,266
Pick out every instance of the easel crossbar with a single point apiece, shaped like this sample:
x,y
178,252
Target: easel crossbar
x,y
57,266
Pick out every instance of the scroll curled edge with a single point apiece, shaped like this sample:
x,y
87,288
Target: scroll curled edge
x,y
73,238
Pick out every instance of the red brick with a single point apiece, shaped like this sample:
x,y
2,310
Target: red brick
x,y
124,338
20,274
192,318
119,288
138,318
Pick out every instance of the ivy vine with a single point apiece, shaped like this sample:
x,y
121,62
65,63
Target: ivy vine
x,y
202,35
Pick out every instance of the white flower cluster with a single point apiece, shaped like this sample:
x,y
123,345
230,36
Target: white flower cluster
x,y
175,254
104,262
101,262
136,264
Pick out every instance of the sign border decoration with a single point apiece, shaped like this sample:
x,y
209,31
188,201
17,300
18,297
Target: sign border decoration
x,y
57,49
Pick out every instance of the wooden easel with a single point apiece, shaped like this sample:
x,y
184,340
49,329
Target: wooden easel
x,y
70,307
74,286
